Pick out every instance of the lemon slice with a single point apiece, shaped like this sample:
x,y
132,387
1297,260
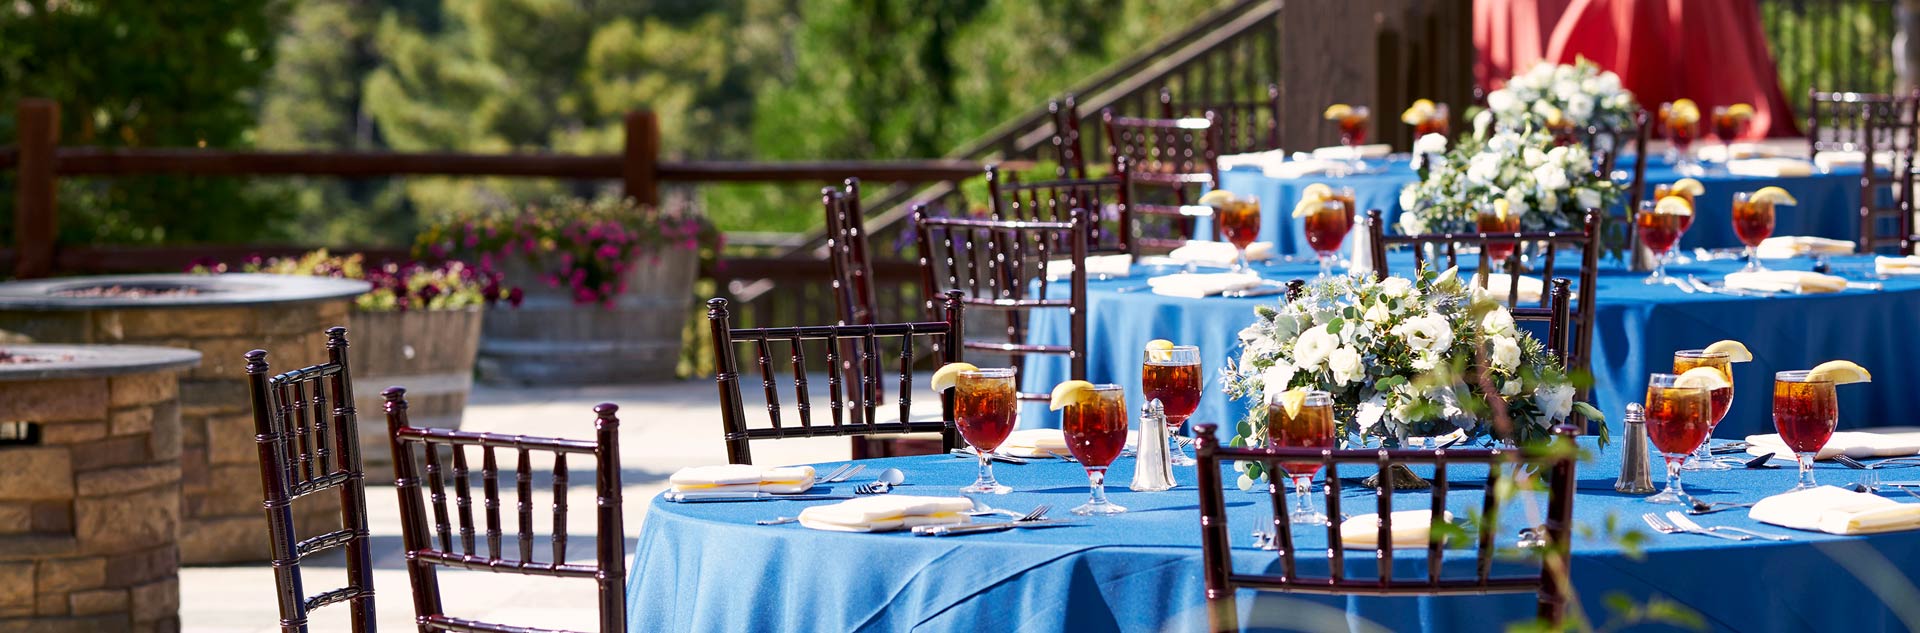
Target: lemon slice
x,y
1418,113
1673,206
1337,111
1684,112
1500,206
1839,372
1706,378
1688,186
1735,351
1740,110
948,374
1070,393
1310,198
1160,349
1217,198
1774,195
1556,118
1292,401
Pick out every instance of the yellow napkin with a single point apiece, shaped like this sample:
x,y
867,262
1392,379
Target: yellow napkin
x,y
1108,265
1786,246
1342,152
1909,265
1770,167
1795,281
1855,444
1410,529
743,478
881,513
1836,511
1198,285
1218,253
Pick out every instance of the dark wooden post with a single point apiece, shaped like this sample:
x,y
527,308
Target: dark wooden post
x,y
34,224
640,157
611,546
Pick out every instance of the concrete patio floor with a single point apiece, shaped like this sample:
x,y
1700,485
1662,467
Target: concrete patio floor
x,y
664,427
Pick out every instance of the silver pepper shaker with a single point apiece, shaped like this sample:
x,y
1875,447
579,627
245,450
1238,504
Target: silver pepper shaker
x,y
1636,462
1153,465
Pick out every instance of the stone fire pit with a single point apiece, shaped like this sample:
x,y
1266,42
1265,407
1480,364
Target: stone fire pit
x,y
222,316
90,487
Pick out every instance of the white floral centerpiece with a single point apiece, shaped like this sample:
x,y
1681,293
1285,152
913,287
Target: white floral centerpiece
x,y
1548,184
1401,358
1577,94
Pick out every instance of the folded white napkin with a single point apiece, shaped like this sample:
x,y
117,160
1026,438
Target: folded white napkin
x,y
1795,281
1770,167
1218,253
881,513
1836,510
1736,151
1830,160
1909,265
1301,168
1342,152
1410,529
1042,443
1119,265
1855,444
1531,288
1255,159
1785,246
1197,285
743,478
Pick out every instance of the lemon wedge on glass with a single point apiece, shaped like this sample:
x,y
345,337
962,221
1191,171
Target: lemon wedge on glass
x,y
1689,186
1735,351
1419,112
1706,378
948,374
1337,111
1775,196
1740,110
1292,401
1217,198
1839,372
1671,205
1310,198
1684,112
1160,349
1500,208
1070,393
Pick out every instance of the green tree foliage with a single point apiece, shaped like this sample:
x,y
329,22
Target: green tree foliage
x,y
131,73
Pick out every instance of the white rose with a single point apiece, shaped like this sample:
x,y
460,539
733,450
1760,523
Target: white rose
x,y
1313,346
1412,223
1506,353
1566,88
1409,195
1609,83
1550,178
1579,107
1533,157
1503,143
1481,122
1541,73
1377,313
1558,155
1510,389
1502,101
1430,144
1564,73
1346,366
1483,169
1556,402
1497,321
1396,287
1546,109
1276,379
1577,158
1587,198
1549,203
1516,199
1427,333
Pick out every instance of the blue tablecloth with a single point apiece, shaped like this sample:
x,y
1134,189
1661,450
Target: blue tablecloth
x,y
707,567
1829,202
1637,329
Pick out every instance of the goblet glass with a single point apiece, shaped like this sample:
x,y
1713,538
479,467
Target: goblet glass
x,y
1096,431
1238,221
1173,376
1311,426
1676,423
1753,222
1721,398
1804,412
985,410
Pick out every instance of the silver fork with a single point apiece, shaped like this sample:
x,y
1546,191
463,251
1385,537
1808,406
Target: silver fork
x,y
822,478
847,475
1681,520
1654,521
1063,456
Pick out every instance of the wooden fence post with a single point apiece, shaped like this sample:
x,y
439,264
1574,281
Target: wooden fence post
x,y
640,156
34,222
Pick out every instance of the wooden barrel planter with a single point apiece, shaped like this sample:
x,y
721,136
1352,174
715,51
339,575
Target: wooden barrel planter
x,y
430,352
550,340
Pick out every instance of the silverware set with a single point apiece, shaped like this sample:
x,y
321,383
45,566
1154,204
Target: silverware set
x,y
1034,519
1676,522
1691,283
837,475
883,484
1855,464
998,457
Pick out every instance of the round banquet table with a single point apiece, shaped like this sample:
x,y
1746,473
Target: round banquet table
x,y
1636,330
1829,202
708,567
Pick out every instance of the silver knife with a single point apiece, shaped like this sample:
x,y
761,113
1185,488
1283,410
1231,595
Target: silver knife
x,y
715,497
1260,291
975,528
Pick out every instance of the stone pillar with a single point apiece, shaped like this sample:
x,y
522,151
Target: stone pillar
x,y
90,499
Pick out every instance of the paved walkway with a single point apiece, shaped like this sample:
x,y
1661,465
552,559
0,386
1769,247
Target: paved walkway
x,y
664,427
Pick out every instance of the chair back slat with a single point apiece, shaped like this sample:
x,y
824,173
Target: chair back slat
x,y
1066,138
423,559
798,354
1336,555
860,346
437,491
765,361
463,491
847,253
1016,278
307,437
1489,508
1436,555
1245,126
1167,163
1383,506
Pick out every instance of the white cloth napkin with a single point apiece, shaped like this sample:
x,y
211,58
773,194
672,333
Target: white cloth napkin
x,y
1855,444
1836,511
1830,160
881,513
1770,167
1342,152
1785,246
1794,281
1043,443
1262,160
1218,253
1301,168
1119,265
743,478
1736,151
1198,285
1410,529
1531,288
1909,265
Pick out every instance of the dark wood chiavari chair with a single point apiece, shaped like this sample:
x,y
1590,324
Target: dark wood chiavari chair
x,y
1169,162
1871,124
1004,266
1222,581
308,435
1066,139
1109,221
1604,145
847,252
854,414
1245,126
423,557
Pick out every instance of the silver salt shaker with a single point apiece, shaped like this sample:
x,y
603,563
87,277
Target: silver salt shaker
x,y
1153,466
1636,463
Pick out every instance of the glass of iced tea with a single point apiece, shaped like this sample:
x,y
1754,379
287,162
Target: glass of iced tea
x,y
1238,221
984,409
1677,422
1660,231
1436,123
1667,190
1805,410
1753,222
1327,225
1173,376
1096,431
1309,424
1353,134
1720,397
1683,127
1728,125
1494,218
